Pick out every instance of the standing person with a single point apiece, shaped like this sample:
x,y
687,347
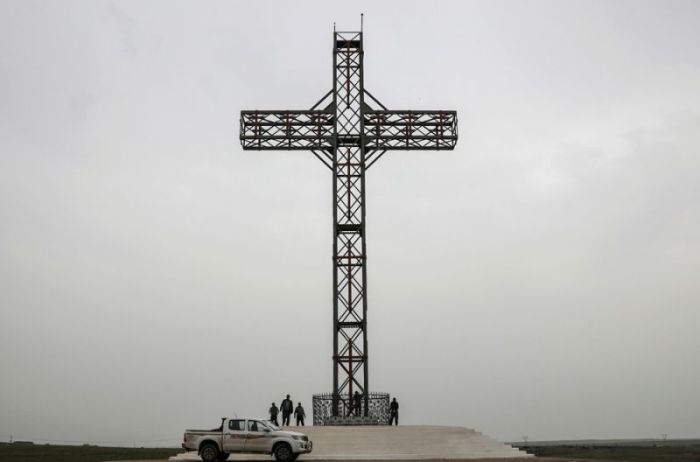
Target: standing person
x,y
356,403
394,412
299,414
287,408
273,414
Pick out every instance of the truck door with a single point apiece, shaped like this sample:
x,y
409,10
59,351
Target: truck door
x,y
234,435
259,437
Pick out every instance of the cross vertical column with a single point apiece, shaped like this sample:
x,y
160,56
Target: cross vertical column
x,y
350,372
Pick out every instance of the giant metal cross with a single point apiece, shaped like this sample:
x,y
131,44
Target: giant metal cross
x,y
349,130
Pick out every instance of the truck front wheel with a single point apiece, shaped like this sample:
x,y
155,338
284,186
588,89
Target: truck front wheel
x,y
283,453
209,452
223,456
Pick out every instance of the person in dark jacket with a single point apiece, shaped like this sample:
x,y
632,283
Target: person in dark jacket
x,y
273,414
394,412
287,407
299,414
356,404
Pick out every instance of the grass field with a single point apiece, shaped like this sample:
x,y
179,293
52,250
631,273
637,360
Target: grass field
x,y
629,453
53,453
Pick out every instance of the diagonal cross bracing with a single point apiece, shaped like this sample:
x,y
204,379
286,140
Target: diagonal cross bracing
x,y
349,247
398,130
287,130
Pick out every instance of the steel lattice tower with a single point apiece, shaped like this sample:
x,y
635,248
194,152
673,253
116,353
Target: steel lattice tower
x,y
349,130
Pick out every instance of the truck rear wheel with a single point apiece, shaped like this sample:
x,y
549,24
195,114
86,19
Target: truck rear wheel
x,y
283,453
209,452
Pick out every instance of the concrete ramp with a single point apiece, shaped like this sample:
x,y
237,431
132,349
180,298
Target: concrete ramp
x,y
405,442
394,443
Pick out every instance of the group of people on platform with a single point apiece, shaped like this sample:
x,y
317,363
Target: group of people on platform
x,y
287,409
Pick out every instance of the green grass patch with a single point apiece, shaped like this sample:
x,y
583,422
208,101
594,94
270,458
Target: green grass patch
x,y
674,453
54,453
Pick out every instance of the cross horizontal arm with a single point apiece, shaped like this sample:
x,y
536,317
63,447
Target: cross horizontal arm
x,y
410,130
287,130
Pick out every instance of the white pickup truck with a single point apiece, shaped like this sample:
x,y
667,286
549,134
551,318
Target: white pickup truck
x,y
246,436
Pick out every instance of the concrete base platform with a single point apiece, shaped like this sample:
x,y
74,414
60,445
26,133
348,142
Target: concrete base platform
x,y
393,443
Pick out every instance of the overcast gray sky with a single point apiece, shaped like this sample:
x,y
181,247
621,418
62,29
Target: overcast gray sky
x,y
540,280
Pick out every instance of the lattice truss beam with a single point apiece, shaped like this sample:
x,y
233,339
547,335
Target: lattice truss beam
x,y
400,130
349,272
384,130
350,304
289,130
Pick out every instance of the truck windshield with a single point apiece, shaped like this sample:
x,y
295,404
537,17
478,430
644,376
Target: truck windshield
x,y
271,425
